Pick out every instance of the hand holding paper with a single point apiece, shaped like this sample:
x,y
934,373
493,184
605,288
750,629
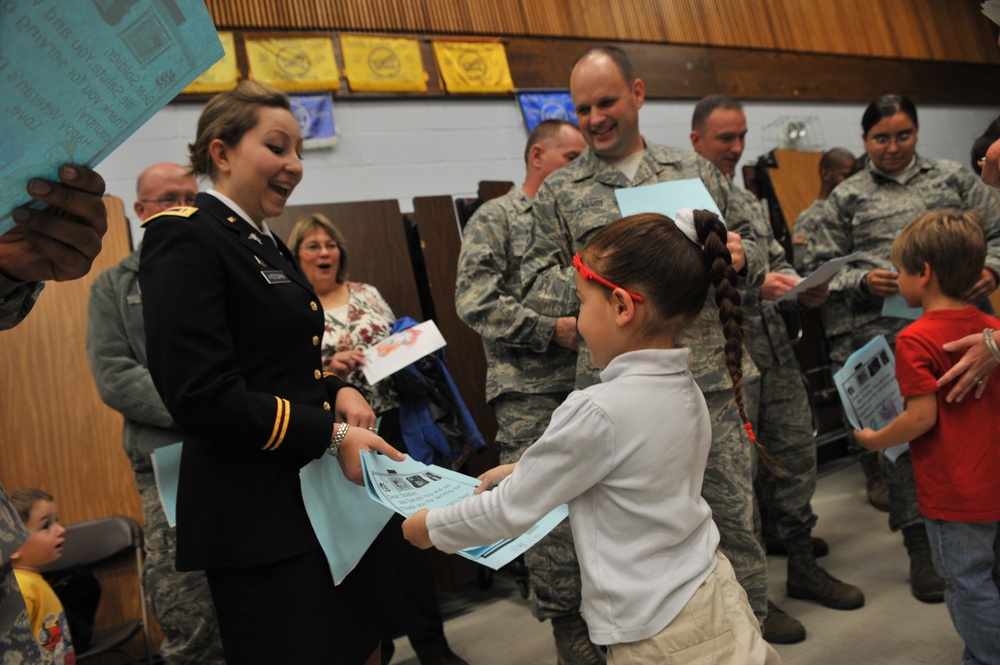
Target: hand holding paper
x,y
415,530
61,241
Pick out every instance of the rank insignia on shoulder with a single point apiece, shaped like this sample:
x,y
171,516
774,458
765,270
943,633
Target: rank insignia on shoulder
x,y
179,211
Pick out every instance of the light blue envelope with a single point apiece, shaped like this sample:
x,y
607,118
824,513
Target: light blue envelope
x,y
345,520
166,472
895,306
666,198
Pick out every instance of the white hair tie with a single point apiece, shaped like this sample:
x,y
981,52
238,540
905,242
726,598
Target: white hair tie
x,y
684,219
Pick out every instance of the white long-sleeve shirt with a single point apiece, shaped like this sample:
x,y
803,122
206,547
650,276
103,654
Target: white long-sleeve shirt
x,y
629,456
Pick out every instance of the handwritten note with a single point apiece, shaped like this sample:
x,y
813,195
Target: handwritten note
x,y
80,77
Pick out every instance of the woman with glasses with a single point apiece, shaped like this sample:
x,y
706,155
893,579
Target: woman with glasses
x,y
864,214
356,318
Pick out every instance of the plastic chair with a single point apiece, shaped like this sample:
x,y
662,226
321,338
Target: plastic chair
x,y
90,544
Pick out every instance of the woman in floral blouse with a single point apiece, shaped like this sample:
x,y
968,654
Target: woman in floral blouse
x,y
357,318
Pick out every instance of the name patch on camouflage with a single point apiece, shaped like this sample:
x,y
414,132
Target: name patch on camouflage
x,y
586,204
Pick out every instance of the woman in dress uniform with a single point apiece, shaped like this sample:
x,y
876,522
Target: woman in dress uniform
x,y
233,332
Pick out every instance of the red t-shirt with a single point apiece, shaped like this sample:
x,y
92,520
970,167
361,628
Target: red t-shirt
x,y
957,462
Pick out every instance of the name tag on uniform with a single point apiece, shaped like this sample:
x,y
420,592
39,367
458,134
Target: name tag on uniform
x,y
275,276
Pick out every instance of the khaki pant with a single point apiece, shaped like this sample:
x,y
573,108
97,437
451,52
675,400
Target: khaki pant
x,y
716,627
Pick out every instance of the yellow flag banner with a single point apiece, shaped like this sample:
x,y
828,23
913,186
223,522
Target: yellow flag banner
x,y
473,67
222,75
293,64
383,64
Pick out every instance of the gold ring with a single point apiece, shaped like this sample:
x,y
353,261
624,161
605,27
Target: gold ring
x,y
372,429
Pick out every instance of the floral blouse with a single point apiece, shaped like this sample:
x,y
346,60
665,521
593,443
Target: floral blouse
x,y
365,321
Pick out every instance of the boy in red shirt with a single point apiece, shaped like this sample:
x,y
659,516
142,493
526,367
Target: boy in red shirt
x,y
955,446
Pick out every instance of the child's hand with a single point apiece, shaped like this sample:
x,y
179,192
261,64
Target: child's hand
x,y
493,477
415,530
865,437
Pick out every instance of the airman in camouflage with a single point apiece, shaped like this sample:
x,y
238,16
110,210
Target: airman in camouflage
x,y
578,200
835,313
784,419
867,211
531,366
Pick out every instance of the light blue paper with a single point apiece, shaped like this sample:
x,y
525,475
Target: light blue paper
x,y
345,520
895,306
166,472
410,486
869,390
81,77
666,198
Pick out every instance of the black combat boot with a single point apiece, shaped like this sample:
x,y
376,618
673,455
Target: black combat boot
x,y
925,583
807,581
573,645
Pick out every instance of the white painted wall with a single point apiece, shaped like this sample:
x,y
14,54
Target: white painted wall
x,y
405,148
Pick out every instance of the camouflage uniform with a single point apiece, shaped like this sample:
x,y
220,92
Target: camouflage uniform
x,y
864,214
579,199
17,645
527,376
784,423
835,313
116,348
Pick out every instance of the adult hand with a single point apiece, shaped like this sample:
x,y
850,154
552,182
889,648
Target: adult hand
x,y
776,284
815,296
986,285
565,333
991,165
350,407
972,370
359,439
734,243
61,241
415,530
493,477
342,363
882,283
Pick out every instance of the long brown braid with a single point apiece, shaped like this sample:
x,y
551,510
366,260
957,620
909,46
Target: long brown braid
x,y
651,255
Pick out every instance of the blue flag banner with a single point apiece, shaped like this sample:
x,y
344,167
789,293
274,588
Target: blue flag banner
x,y
314,114
542,105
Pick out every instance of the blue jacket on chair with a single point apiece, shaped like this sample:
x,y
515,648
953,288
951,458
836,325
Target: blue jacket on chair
x,y
437,427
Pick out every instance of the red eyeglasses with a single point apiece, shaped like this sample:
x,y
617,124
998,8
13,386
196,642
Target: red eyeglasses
x,y
589,274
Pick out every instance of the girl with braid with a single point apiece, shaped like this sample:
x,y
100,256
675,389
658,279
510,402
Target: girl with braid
x,y
629,454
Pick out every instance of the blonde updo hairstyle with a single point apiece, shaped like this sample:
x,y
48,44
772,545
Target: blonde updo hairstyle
x,y
228,116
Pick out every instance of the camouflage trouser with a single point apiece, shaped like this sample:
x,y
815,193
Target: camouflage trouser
x,y
17,645
181,602
553,569
898,476
728,489
784,427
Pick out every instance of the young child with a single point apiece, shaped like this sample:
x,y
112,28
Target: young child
x,y
953,445
44,545
629,454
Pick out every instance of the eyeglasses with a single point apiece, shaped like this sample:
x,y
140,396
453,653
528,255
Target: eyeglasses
x,y
172,200
885,139
315,247
589,274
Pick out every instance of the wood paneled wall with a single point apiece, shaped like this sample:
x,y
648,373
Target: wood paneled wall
x,y
947,30
57,434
